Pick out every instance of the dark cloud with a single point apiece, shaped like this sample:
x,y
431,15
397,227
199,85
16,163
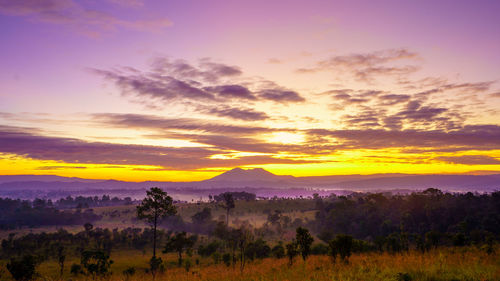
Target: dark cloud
x,y
206,70
280,95
415,112
163,88
197,87
470,160
348,99
393,99
231,91
471,137
464,88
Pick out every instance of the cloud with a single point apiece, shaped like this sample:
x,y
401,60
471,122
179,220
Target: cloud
x,y
208,87
415,112
244,114
231,91
69,150
470,137
206,70
318,141
463,88
48,168
393,99
495,95
367,66
470,160
220,136
281,95
165,88
84,19
162,124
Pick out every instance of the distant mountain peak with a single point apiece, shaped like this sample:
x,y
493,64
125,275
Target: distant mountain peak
x,y
252,174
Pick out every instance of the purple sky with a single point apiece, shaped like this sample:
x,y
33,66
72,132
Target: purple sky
x,y
186,89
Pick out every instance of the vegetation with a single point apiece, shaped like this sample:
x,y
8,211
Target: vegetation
x,y
359,230
155,206
17,213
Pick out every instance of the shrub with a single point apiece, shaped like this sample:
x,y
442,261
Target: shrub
x,y
22,269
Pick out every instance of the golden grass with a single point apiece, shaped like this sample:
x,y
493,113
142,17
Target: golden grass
x,y
444,264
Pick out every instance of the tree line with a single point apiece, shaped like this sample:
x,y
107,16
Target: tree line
x,y
343,225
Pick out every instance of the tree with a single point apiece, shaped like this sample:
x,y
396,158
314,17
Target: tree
x,y
22,269
291,251
179,243
243,237
228,204
343,244
333,250
278,251
304,242
156,205
96,263
61,257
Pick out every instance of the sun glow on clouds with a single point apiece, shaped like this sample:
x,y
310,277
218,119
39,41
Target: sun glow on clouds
x,y
286,138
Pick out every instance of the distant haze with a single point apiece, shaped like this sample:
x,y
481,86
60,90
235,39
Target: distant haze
x,y
255,180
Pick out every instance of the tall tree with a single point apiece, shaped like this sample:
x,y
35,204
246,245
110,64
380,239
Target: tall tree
x,y
304,241
155,206
228,204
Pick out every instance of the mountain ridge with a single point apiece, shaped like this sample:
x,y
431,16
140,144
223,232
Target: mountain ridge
x,y
261,178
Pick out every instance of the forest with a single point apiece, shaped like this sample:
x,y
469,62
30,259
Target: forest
x,y
319,238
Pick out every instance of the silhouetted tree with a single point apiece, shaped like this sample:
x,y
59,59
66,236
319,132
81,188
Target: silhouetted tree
x,y
304,241
96,263
278,251
156,205
227,204
22,269
291,251
344,244
179,243
333,250
61,257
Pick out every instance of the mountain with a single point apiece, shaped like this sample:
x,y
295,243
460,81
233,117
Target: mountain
x,y
255,179
241,175
42,178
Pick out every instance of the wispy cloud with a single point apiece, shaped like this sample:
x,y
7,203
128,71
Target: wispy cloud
x,y
79,16
470,160
69,150
369,66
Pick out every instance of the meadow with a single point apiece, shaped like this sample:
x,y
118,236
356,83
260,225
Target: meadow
x,y
444,264
423,236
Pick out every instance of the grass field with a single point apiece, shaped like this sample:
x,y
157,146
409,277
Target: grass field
x,y
444,264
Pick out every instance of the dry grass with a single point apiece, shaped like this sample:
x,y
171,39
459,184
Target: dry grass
x,y
439,265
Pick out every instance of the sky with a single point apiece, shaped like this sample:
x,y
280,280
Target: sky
x,y
182,90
